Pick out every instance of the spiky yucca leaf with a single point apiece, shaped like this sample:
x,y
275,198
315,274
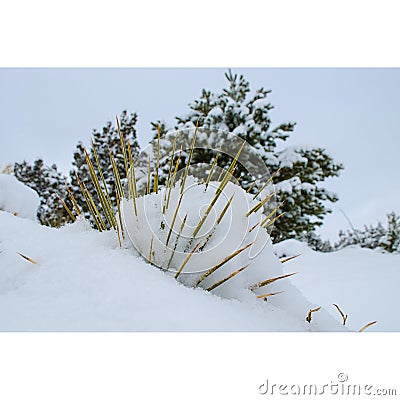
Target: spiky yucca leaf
x,y
284,260
67,209
230,276
221,263
265,296
186,260
271,280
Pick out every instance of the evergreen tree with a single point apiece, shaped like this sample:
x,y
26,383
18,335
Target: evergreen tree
x,y
373,237
106,142
391,241
247,115
49,183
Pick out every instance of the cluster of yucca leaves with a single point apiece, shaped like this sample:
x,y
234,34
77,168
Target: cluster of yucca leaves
x,y
107,215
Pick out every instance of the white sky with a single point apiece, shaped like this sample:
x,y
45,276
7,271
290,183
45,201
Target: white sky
x,y
351,112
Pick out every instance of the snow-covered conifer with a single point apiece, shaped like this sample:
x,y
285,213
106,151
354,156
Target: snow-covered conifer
x,y
247,115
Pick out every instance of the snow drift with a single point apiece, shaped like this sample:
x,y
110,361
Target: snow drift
x,y
83,281
17,198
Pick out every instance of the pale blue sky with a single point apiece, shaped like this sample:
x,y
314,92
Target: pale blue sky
x,y
351,112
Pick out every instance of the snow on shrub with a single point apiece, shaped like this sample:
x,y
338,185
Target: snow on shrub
x,y
204,230
16,198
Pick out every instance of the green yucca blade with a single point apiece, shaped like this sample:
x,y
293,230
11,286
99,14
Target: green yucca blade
x,y
289,258
231,169
122,142
221,174
215,285
211,205
74,203
148,176
151,250
189,158
174,219
178,161
177,240
117,177
225,209
171,161
268,181
107,202
271,280
106,205
265,296
168,181
259,205
132,169
212,168
268,224
186,261
119,213
66,207
95,209
271,214
254,227
88,201
155,188
221,216
251,187
96,157
221,263
132,179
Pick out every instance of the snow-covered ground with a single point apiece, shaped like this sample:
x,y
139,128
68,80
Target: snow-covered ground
x,y
78,279
84,282
364,283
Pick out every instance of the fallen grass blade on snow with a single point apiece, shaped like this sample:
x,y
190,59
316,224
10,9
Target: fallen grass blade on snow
x,y
27,258
367,326
309,315
344,317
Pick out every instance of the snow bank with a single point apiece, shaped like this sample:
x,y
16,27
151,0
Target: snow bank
x,y
17,198
84,282
362,282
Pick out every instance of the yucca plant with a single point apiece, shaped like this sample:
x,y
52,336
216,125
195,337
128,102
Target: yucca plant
x,y
161,222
